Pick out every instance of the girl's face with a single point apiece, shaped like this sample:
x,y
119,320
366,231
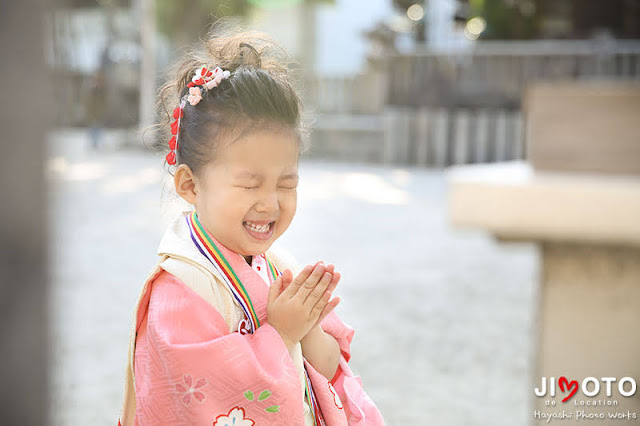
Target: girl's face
x,y
247,196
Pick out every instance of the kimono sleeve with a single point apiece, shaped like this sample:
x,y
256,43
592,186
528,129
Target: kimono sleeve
x,y
340,331
343,334
190,370
360,408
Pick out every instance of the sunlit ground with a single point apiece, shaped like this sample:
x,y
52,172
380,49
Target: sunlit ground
x,y
443,317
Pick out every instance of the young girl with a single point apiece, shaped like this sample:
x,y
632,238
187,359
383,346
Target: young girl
x,y
226,331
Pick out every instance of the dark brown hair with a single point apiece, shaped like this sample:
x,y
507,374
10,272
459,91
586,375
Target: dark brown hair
x,y
259,93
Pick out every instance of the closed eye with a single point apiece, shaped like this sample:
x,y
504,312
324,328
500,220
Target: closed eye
x,y
256,187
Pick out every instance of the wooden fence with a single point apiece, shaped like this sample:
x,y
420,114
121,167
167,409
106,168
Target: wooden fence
x,y
441,108
440,137
433,137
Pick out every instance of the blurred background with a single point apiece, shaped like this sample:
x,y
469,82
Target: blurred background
x,y
485,151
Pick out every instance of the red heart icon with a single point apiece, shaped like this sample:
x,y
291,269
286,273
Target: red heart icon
x,y
569,384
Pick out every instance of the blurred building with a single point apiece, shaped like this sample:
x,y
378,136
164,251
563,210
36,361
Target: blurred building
x,y
431,83
90,38
453,73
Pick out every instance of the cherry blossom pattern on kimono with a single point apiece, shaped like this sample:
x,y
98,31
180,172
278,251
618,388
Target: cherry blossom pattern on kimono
x,y
235,417
188,389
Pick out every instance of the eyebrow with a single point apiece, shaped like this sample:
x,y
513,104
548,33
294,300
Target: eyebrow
x,y
248,174
252,175
290,176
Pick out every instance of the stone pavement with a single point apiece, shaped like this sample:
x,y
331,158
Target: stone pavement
x,y
444,318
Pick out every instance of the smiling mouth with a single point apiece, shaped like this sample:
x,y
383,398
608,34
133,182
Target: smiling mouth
x,y
259,229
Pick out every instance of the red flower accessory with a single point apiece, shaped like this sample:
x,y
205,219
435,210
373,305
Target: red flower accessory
x,y
178,113
208,80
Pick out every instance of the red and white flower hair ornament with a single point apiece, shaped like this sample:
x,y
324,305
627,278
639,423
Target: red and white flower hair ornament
x,y
208,80
195,95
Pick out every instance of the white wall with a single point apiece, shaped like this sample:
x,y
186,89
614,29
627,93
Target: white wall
x,y
341,47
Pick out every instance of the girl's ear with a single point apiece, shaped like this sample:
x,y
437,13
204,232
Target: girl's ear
x,y
184,181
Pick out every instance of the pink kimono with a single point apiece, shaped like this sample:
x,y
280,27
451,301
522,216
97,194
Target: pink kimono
x,y
192,361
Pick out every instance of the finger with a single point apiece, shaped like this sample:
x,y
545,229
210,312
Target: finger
x,y
293,287
286,277
330,306
274,289
334,281
316,311
333,303
318,291
311,282
330,268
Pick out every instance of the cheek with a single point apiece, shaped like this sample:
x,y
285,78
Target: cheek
x,y
239,205
228,207
289,204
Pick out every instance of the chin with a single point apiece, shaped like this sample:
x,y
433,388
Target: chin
x,y
263,247
253,248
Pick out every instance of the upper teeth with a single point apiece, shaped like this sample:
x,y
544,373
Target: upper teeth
x,y
257,228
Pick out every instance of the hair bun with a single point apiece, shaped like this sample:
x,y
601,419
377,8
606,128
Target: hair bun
x,y
230,46
249,55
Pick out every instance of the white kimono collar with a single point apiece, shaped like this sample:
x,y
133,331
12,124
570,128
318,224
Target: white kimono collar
x,y
176,242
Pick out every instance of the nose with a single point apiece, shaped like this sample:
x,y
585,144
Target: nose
x,y
268,202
